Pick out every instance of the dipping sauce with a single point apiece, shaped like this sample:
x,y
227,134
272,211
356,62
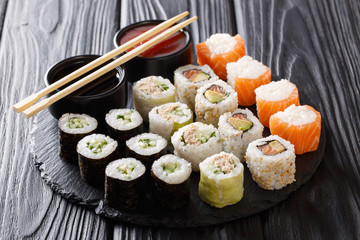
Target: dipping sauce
x,y
168,46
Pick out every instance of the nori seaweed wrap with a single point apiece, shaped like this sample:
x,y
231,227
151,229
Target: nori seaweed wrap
x,y
125,184
171,179
95,152
123,124
71,129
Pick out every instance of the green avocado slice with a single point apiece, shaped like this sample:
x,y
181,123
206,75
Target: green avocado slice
x,y
240,124
214,97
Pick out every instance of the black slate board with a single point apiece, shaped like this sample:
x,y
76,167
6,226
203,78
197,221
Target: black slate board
x,y
64,178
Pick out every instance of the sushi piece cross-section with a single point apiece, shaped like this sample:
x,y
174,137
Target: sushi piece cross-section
x,y
71,129
221,180
171,178
271,162
195,142
214,99
95,152
150,92
124,184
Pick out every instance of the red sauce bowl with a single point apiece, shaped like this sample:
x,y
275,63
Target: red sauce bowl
x,y
162,59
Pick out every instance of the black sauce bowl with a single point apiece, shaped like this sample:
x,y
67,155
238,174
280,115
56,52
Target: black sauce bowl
x,y
140,67
96,98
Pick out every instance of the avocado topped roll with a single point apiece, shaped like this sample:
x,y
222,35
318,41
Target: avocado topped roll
x,y
271,161
221,180
71,128
171,179
123,124
168,118
146,147
195,142
150,92
95,152
188,79
124,184
237,130
214,99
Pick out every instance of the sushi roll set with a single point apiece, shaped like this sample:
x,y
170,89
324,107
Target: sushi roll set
x,y
150,152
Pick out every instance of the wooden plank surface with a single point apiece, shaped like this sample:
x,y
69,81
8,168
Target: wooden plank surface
x,y
312,43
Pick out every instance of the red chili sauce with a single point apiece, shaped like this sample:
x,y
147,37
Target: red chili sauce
x,y
168,46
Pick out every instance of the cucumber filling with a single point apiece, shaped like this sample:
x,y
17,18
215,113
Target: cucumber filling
x,y
170,167
163,87
96,145
126,170
147,143
77,122
126,118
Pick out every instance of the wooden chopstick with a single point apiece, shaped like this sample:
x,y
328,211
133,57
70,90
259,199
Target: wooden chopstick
x,y
30,100
124,58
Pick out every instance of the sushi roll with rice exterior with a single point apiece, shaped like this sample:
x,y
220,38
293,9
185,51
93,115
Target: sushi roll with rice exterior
x,y
274,97
150,92
218,50
214,99
221,180
146,147
71,129
171,179
168,118
271,162
245,76
301,125
125,184
195,142
237,130
188,79
95,152
123,124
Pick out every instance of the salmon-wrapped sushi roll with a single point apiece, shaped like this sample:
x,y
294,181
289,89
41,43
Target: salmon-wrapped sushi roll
x,y
218,50
274,97
245,76
301,125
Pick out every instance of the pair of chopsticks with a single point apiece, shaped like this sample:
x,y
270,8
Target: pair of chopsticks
x,y
27,105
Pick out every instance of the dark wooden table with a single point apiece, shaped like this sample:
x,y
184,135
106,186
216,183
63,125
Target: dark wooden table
x,y
315,44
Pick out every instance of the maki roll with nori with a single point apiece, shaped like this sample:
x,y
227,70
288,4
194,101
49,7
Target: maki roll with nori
x,y
188,79
168,118
123,124
237,130
271,161
146,147
214,99
171,179
195,142
95,152
150,92
72,128
221,180
124,184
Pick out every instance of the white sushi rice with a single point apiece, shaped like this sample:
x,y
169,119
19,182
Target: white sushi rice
x,y
147,94
134,144
208,112
236,141
221,43
195,153
185,89
246,67
207,166
109,148
181,173
90,123
271,172
162,120
296,115
112,169
117,123
275,91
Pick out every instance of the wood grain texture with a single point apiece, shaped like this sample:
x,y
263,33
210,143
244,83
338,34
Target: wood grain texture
x,y
315,44
35,35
